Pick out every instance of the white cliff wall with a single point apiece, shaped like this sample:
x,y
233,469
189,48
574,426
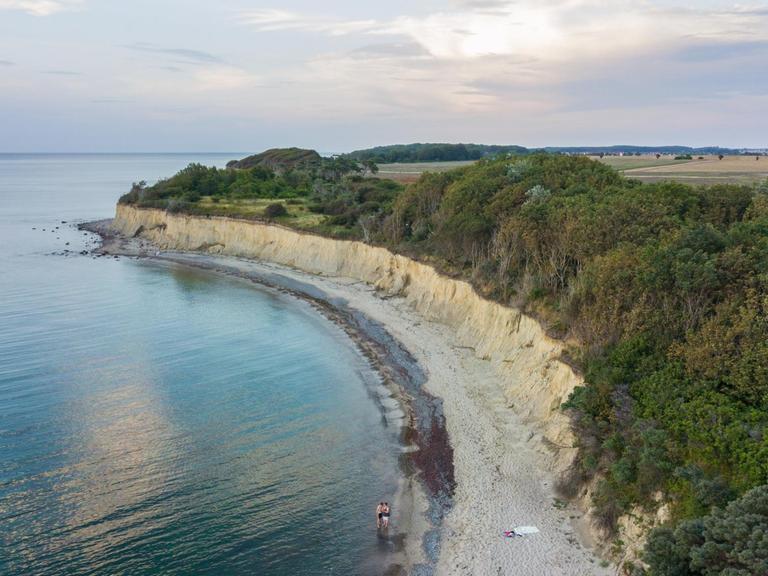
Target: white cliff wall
x,y
526,360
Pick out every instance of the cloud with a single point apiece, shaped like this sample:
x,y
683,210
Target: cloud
x,y
272,20
392,50
222,78
534,71
490,56
180,54
6,63
712,51
553,30
571,30
39,7
62,73
109,100
206,85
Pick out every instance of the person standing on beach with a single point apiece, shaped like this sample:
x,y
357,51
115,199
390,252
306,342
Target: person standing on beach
x,y
379,513
385,515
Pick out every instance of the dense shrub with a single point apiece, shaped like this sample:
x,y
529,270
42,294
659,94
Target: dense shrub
x,y
666,287
275,210
728,542
195,182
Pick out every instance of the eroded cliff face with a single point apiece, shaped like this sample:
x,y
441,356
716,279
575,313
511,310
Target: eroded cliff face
x,y
533,378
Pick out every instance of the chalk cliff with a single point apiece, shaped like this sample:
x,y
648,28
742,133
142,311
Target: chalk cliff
x,y
526,360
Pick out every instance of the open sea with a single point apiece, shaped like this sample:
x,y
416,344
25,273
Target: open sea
x,y
156,419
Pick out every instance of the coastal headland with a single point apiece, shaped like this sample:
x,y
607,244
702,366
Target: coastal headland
x,y
500,378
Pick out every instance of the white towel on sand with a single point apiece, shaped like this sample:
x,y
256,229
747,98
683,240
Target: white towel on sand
x,y
521,531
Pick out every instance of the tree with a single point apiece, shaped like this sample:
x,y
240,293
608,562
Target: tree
x,y
735,539
275,210
367,223
369,166
337,167
668,551
728,542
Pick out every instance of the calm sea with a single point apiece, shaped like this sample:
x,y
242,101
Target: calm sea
x,y
161,420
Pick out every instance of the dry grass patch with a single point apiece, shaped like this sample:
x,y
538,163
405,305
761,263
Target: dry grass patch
x,y
410,172
298,215
710,170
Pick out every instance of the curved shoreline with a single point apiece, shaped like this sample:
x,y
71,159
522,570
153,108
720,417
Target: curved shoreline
x,y
427,484
496,371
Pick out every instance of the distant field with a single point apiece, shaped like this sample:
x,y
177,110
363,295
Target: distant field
x,y
710,170
411,172
622,163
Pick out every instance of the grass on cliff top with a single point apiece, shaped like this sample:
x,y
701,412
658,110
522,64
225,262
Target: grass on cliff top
x,y
411,171
298,212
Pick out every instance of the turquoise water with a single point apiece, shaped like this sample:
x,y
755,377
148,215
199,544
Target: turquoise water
x,y
160,420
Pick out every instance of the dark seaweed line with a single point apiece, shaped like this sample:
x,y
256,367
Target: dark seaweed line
x,y
425,427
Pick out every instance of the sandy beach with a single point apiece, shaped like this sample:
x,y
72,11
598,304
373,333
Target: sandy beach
x,y
503,469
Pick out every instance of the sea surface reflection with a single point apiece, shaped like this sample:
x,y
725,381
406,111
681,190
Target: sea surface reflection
x,y
160,420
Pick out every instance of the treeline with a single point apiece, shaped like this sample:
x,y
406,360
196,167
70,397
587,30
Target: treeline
x,y
432,152
638,150
455,152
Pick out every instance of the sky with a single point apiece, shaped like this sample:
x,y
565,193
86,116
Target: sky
x,y
238,75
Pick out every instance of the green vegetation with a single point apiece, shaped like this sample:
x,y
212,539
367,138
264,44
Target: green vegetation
x,y
431,152
326,195
280,159
275,210
418,168
664,286
731,541
408,153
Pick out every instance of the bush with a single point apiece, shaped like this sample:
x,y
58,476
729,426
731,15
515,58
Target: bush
x,y
732,542
275,210
177,206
